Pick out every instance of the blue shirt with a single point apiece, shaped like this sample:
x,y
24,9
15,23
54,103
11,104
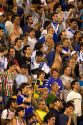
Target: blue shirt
x,y
50,58
63,120
3,27
81,82
41,39
55,38
20,100
25,28
52,80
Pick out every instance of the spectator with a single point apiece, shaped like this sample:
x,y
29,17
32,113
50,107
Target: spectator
x,y
3,59
24,98
57,58
66,80
17,31
23,76
29,23
9,112
38,47
43,38
18,119
58,105
71,30
54,78
2,36
52,95
26,59
66,117
41,111
7,80
76,97
50,119
11,57
39,64
17,47
76,42
39,85
31,38
55,23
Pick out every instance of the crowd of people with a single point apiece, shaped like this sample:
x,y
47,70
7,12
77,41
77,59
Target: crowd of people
x,y
41,62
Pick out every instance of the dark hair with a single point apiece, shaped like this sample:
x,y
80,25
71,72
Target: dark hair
x,y
57,44
80,38
39,8
30,30
70,6
72,20
38,46
39,53
3,48
23,85
40,72
36,2
57,5
24,66
46,24
30,116
54,69
57,99
9,102
10,49
65,67
18,110
14,17
17,39
53,14
10,13
25,48
73,83
59,37
76,33
48,116
69,104
1,28
27,18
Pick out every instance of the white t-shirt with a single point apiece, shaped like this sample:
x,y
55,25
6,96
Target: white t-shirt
x,y
21,79
3,63
7,114
81,56
76,97
66,79
32,42
45,67
70,33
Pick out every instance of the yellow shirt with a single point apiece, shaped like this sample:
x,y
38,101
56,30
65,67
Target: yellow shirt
x,y
41,114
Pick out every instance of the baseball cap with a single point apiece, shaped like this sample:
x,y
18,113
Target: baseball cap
x,y
72,53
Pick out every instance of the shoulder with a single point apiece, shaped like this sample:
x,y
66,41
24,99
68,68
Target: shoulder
x,y
71,93
63,117
14,120
4,114
71,96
